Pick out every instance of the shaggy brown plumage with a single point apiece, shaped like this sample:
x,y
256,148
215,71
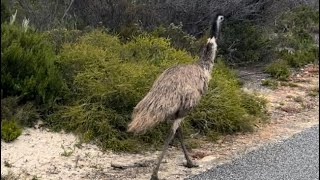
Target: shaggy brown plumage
x,y
176,91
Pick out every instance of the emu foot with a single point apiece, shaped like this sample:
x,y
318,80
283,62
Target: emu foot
x,y
191,165
154,177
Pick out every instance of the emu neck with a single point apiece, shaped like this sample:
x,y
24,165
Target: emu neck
x,y
206,60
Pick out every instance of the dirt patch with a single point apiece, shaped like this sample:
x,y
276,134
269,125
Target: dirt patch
x,y
39,153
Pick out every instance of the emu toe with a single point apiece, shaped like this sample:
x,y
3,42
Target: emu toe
x,y
191,165
154,177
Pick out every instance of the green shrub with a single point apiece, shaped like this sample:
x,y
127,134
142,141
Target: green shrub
x,y
178,38
299,57
24,114
129,31
243,43
279,70
9,130
254,105
294,31
273,84
107,79
5,13
27,66
299,20
225,108
58,37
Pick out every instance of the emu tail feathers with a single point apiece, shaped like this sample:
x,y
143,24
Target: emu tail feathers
x,y
142,121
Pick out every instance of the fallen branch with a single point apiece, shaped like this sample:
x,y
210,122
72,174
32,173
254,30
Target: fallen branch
x,y
118,165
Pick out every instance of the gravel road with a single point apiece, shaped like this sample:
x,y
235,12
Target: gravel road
x,y
296,158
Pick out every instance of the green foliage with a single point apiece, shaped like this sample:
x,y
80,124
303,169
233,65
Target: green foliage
x,y
243,42
5,13
106,80
179,38
254,105
279,70
300,57
300,20
295,46
129,31
27,66
58,37
9,130
24,114
273,84
225,108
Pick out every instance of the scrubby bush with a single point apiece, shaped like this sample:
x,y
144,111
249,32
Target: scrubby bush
x,y
294,44
300,57
107,79
243,43
254,105
225,108
273,84
179,38
24,114
299,20
27,66
129,31
278,69
5,14
10,130
58,37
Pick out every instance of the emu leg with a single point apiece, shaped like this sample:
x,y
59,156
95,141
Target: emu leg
x,y
189,164
172,132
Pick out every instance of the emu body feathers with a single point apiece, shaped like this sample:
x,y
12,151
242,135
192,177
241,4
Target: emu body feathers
x,y
176,91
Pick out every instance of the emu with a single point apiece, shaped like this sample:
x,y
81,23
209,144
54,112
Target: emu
x,y
176,91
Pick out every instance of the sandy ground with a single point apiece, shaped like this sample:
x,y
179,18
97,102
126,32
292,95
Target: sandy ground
x,y
41,154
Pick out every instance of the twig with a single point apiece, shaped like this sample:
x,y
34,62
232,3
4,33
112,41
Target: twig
x,y
65,13
126,166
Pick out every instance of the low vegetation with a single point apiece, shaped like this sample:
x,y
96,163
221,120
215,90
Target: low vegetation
x,y
273,84
10,130
225,108
87,82
27,66
295,45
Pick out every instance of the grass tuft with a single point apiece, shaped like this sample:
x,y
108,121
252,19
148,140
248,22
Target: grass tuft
x,y
10,130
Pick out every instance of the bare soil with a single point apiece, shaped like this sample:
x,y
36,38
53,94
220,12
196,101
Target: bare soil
x,y
41,154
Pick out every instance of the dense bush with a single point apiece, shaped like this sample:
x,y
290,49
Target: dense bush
x,y
243,43
300,20
279,70
107,79
24,114
5,14
58,37
225,108
294,44
179,38
27,66
10,130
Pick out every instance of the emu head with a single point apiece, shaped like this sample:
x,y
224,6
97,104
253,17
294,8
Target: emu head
x,y
209,52
215,29
216,25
